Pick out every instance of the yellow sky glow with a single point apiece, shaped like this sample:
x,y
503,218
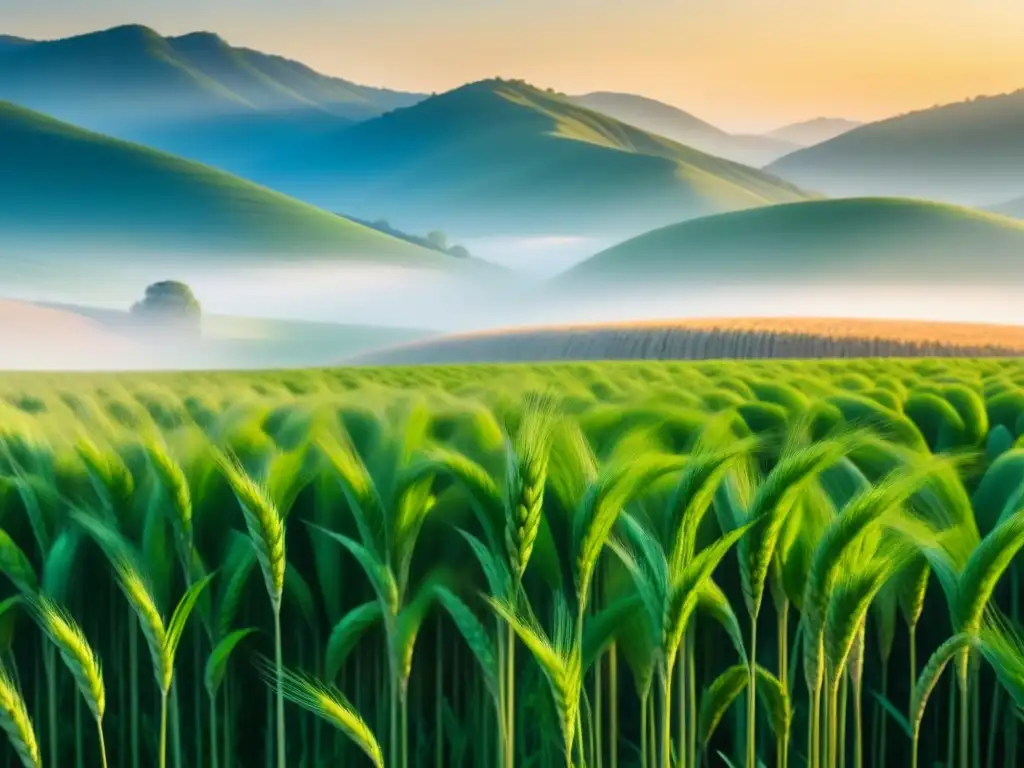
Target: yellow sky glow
x,y
743,64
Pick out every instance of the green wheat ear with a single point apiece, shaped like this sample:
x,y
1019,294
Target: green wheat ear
x,y
15,721
174,482
325,702
79,657
263,521
526,475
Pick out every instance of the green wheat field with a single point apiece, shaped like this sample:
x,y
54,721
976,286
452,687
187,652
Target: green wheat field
x,y
637,565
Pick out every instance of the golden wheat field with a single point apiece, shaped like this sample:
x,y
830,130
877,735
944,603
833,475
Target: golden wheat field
x,y
713,338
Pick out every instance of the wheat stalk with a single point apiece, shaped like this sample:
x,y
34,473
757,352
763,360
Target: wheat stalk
x,y
79,657
326,702
15,721
266,531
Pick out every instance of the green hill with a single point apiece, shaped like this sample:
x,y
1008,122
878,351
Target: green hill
x,y
835,242
194,95
673,123
63,186
970,153
499,157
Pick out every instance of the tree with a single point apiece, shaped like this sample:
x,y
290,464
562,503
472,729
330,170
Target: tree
x,y
458,252
170,304
439,239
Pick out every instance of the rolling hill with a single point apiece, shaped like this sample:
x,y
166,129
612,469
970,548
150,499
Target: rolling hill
x,y
195,94
63,186
673,123
970,153
811,132
502,157
871,241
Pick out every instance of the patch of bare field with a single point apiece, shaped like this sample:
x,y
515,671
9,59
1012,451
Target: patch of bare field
x,y
713,338
42,338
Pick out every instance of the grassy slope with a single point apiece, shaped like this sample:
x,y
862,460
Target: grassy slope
x,y
673,123
498,157
878,240
59,181
970,153
811,132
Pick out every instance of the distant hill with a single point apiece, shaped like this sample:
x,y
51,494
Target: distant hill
x,y
970,153
709,339
502,157
194,95
1014,208
66,189
811,132
673,123
9,42
833,242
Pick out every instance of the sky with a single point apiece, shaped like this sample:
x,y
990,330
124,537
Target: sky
x,y
746,65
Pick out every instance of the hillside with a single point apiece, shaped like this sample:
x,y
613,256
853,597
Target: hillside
x,y
60,185
673,123
710,338
498,157
834,242
194,95
970,153
811,132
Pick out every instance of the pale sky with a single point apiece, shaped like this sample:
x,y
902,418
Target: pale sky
x,y
746,65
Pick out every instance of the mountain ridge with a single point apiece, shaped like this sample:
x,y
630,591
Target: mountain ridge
x,y
678,125
808,133
195,94
501,156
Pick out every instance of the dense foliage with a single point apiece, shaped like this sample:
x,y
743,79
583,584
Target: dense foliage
x,y
598,565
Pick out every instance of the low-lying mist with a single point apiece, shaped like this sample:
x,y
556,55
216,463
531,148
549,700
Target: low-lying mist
x,y
430,301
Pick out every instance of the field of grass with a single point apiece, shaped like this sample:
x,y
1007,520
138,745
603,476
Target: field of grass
x,y
709,339
503,157
623,564
873,241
